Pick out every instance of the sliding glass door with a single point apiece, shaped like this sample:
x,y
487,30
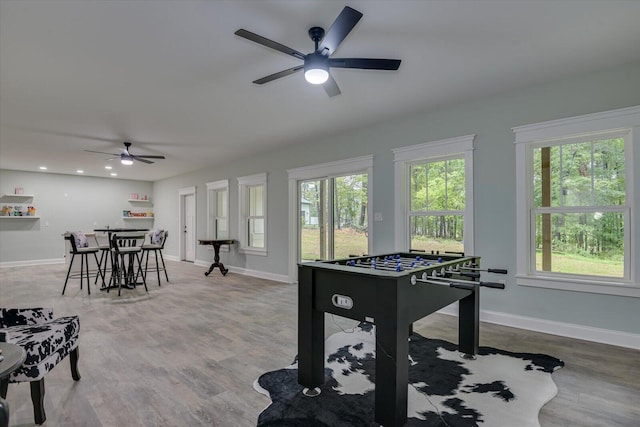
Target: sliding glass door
x,y
333,217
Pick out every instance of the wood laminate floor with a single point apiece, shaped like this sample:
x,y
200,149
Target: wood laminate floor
x,y
187,353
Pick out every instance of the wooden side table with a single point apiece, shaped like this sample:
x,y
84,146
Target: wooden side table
x,y
216,258
13,358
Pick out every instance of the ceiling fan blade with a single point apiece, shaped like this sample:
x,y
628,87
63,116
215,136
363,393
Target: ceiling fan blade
x,y
101,152
147,157
138,159
339,30
331,87
279,74
365,63
269,43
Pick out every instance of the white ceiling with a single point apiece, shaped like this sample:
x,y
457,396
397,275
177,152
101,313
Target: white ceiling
x,y
171,76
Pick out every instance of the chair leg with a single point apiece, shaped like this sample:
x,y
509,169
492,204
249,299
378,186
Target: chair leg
x,y
99,270
155,253
164,267
144,279
99,267
86,267
4,413
73,361
4,385
37,397
73,256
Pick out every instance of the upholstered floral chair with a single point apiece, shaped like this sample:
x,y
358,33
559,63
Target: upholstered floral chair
x,y
46,342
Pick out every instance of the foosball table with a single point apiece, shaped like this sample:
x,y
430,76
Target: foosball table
x,y
391,291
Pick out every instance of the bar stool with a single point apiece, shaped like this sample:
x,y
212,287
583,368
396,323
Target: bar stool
x,y
157,241
126,249
79,246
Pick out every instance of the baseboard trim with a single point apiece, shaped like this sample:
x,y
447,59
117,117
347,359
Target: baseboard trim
x,y
260,274
30,263
569,330
247,272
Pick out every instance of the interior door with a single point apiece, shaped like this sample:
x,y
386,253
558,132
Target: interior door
x,y
189,227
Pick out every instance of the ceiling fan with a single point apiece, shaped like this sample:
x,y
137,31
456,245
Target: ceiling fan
x,y
126,158
317,63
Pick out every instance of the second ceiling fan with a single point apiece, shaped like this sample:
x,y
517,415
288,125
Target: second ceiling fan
x,y
317,63
126,158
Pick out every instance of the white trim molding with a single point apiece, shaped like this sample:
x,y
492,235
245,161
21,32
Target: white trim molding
x,y
433,150
243,183
624,122
214,186
324,170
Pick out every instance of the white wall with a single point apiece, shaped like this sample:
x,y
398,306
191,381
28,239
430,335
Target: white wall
x,y
491,119
63,203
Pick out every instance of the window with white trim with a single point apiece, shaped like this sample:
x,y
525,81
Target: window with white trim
x,y
434,196
252,193
218,209
576,204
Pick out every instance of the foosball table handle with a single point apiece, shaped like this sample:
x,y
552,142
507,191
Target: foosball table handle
x,y
494,285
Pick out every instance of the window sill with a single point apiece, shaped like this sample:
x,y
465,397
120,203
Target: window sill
x,y
251,251
627,289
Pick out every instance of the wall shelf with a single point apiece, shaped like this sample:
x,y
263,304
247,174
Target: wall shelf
x,y
146,202
18,217
150,218
19,199
16,198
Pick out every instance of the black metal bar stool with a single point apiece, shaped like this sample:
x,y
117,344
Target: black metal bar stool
x,y
157,241
75,239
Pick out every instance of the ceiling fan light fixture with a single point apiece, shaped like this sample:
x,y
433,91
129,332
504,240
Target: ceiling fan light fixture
x,y
126,160
316,69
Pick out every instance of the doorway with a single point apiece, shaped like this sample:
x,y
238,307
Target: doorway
x,y
333,217
187,224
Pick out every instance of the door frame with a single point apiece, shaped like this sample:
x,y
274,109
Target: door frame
x,y
182,194
363,164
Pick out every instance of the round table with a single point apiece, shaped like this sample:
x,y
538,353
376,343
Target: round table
x,y
13,358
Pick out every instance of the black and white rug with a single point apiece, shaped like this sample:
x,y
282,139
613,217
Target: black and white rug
x,y
498,389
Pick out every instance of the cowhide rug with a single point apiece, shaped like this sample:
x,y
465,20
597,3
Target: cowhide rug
x,y
498,389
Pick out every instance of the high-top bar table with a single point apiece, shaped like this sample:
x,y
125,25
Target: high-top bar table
x,y
216,258
110,232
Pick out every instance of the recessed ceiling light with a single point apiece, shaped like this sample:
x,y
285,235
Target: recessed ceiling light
x,y
43,168
114,174
108,167
80,171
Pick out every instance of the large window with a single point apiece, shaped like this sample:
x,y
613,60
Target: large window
x,y
437,199
218,209
434,196
253,214
576,228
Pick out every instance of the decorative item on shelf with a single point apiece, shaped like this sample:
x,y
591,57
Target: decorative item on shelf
x,y
150,214
7,210
17,210
126,213
19,190
31,211
134,196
